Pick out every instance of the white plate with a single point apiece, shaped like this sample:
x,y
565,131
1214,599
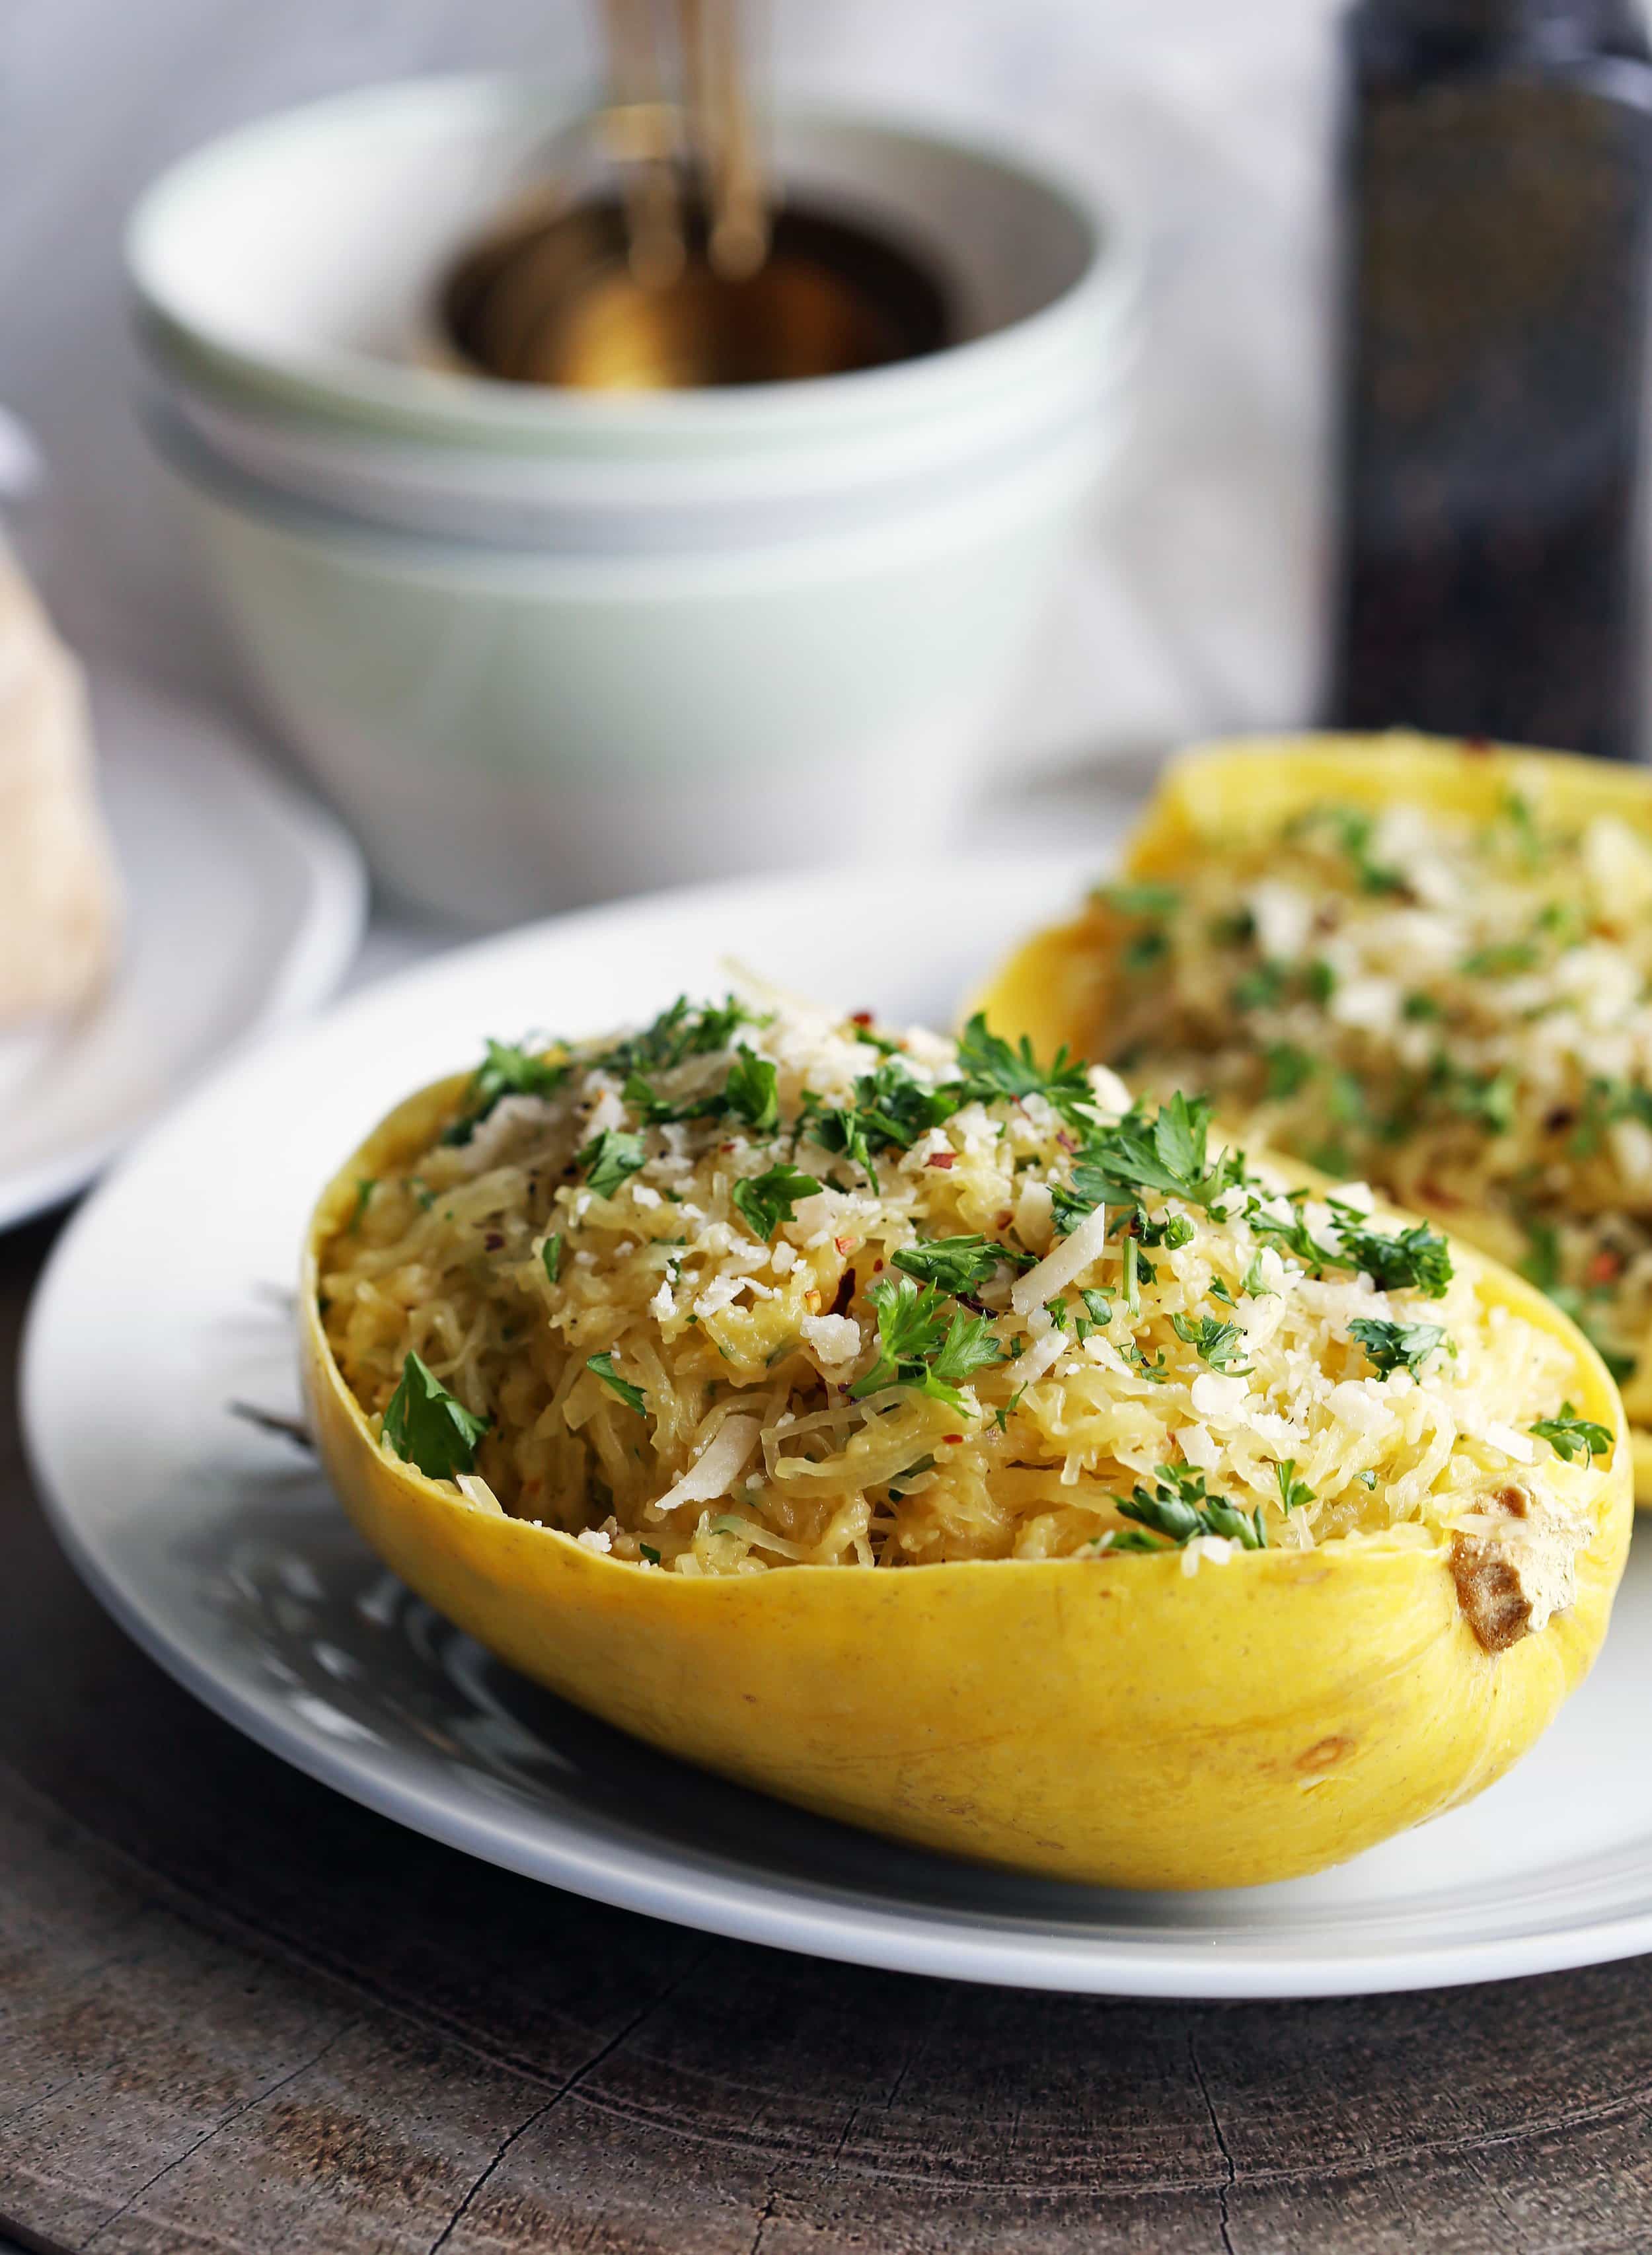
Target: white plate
x,y
244,905
222,1551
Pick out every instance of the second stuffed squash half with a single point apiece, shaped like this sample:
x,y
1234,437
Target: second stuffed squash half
x,y
1424,965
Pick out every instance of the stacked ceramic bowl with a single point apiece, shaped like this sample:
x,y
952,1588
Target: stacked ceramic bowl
x,y
542,646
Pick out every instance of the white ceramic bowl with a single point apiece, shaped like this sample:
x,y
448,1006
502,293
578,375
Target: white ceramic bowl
x,y
286,269
510,733
542,647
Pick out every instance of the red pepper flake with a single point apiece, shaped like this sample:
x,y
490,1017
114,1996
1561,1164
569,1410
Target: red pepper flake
x,y
860,1017
942,1159
725,1147
1477,747
1004,1219
952,1440
1605,1267
492,1242
877,1265
844,1244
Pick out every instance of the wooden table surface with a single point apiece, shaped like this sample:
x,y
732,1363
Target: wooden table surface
x,y
236,2011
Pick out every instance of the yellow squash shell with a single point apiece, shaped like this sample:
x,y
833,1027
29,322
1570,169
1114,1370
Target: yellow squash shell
x,y
1056,986
1111,1720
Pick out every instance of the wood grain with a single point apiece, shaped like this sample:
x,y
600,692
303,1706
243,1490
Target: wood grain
x,y
238,2012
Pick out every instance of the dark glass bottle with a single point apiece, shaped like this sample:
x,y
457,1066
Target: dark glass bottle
x,y
1499,178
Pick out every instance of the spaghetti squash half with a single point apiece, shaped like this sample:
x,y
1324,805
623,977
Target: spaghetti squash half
x,y
928,1435
1427,963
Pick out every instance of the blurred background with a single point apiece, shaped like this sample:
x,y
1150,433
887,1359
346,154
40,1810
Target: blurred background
x,y
1195,603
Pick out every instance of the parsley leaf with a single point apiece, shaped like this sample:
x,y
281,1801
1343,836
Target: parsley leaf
x,y
427,1427
968,1347
1288,1067
365,1186
653,1108
1419,1259
1501,959
508,1070
1140,899
1218,1343
750,1089
1567,1434
1292,1492
610,1159
958,1265
1168,1154
925,1341
550,1256
682,1030
767,1200
991,1070
1353,829
891,1110
1396,1346
1178,1506
602,1366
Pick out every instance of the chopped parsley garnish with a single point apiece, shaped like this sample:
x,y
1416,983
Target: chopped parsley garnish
x,y
1288,1068
1353,830
1419,1259
1293,1492
601,1365
958,1265
1516,811
1501,959
1568,1434
751,1090
685,1029
1148,947
1168,1154
365,1187
610,1160
1251,1280
428,1427
550,1256
508,1070
1098,1305
767,1200
925,1341
991,1068
1418,1006
1487,1099
1605,1101
1541,1264
1178,1506
1319,981
891,1110
1261,988
649,1552
1215,1342
1143,898
653,1109
1396,1346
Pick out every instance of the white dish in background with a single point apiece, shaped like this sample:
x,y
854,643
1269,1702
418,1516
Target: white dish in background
x,y
221,1550
289,266
767,620
243,906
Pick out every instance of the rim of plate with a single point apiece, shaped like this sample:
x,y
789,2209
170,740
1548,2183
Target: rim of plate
x,y
1378,1949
